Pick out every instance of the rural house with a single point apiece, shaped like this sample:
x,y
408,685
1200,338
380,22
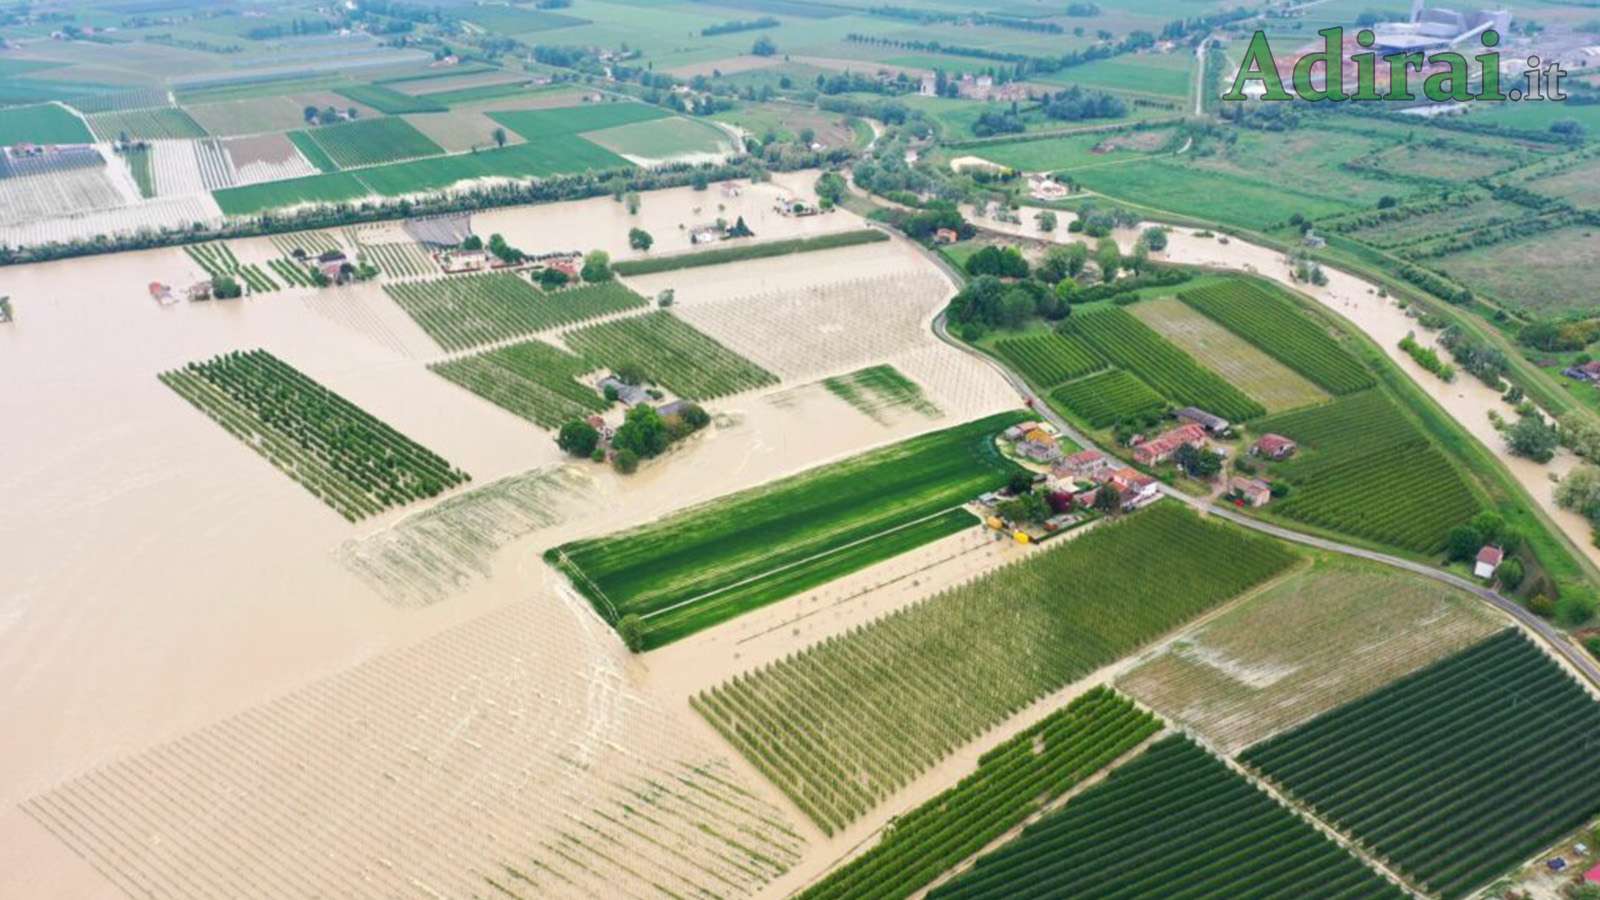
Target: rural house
x,y
1589,371
332,264
1160,449
946,236
1212,424
1488,560
1083,464
160,293
1253,491
1273,446
630,394
1138,489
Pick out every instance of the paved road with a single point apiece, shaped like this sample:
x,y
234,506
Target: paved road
x,y
1579,658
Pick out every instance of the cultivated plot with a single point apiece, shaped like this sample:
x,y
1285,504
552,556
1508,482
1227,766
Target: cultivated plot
x,y
468,311
1315,640
892,698
1445,773
1255,373
720,559
532,379
670,353
1268,320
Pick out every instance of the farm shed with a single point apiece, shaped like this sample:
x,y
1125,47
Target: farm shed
x,y
1160,449
1082,464
1254,491
1274,446
1488,560
629,394
439,232
1212,424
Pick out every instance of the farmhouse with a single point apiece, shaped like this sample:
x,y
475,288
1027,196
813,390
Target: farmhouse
x,y
1016,432
1083,464
160,293
1160,449
453,261
946,236
200,290
1253,491
1488,560
1589,371
630,394
1137,488
1273,446
705,234
1212,424
332,263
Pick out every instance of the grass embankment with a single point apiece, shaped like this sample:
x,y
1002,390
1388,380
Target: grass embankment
x,y
748,252
715,561
888,701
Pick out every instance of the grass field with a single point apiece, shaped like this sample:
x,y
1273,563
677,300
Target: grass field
x,y
718,560
139,164
45,123
662,138
462,312
1107,398
248,116
747,251
1365,469
367,142
886,701
145,124
331,188
1132,345
1172,186
1283,656
671,353
536,124
1060,154
552,156
1446,773
388,100
1159,74
1270,321
1174,809
346,457
1258,375
1011,782
1548,274
532,380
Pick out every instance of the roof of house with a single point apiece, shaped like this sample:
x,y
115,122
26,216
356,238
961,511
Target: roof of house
x,y
1039,436
329,256
1241,483
1132,477
1169,441
1490,555
1272,442
1200,415
1593,875
1084,457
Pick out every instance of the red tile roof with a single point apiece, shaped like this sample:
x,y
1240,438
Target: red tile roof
x,y
1490,555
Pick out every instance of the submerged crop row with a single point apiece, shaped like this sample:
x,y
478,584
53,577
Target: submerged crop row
x,y
351,460
844,724
468,311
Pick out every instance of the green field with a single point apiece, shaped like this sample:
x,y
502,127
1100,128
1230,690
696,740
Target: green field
x,y
1163,75
1173,822
367,142
747,251
45,123
532,380
889,700
662,138
537,124
1173,186
462,312
718,560
537,159
1108,398
504,19
483,92
1446,773
1057,154
336,187
346,457
1265,318
146,124
1134,346
388,100
1366,469
1012,781
671,353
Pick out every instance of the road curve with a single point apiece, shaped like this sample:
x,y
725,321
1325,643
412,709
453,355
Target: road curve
x,y
1577,657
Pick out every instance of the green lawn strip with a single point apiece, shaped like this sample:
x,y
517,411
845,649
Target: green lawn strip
x,y
44,123
334,187
726,541
669,625
748,251
313,151
139,161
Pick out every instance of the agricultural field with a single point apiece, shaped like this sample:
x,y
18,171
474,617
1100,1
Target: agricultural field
x,y
463,312
531,379
72,190
1176,809
1174,186
145,124
139,164
1132,345
1444,774
1365,469
1011,782
367,142
1072,152
341,454
1108,398
1547,275
265,157
248,116
387,100
538,124
400,259
889,700
671,353
45,123
554,156
1282,656
1258,375
1047,360
741,252
461,130
877,390
218,261
662,139
1157,74
331,188
1270,321
723,558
